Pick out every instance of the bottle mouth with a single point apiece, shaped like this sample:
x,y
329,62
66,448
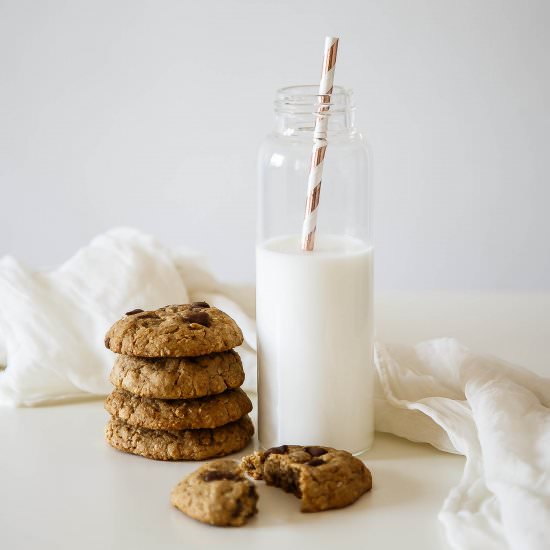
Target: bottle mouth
x,y
305,100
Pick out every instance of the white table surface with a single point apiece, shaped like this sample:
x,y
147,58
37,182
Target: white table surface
x,y
62,486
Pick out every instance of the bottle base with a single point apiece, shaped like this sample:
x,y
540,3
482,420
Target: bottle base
x,y
363,451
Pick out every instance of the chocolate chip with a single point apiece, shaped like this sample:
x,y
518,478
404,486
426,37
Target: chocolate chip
x,y
199,304
238,509
107,341
134,311
315,462
315,451
215,475
281,450
199,317
251,490
148,315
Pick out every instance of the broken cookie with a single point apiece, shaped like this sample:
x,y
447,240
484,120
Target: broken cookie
x,y
322,477
218,494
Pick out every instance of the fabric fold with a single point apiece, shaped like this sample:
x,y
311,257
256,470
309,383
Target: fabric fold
x,y
493,413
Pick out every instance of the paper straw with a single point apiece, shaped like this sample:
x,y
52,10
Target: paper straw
x,y
319,144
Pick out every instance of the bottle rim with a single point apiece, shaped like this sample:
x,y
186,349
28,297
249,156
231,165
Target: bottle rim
x,y
305,99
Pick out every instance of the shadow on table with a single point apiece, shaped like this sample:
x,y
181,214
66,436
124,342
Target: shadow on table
x,y
390,447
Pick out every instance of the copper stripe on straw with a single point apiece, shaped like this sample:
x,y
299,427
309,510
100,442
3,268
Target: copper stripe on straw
x,y
319,144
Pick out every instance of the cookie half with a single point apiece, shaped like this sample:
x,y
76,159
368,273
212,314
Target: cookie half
x,y
178,378
180,444
218,494
174,331
178,414
322,477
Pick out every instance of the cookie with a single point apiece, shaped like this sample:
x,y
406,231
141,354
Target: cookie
x,y
322,477
217,493
180,444
178,414
174,331
178,378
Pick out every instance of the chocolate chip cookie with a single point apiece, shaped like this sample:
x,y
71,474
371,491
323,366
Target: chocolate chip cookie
x,y
178,378
174,331
180,444
178,414
217,493
322,477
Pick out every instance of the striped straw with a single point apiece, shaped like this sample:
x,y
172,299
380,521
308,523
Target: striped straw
x,y
319,144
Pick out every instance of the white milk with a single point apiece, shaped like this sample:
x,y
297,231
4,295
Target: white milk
x,y
315,343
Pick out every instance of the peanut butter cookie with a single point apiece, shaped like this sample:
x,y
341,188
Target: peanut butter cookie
x,y
174,331
178,378
322,477
217,493
178,414
180,444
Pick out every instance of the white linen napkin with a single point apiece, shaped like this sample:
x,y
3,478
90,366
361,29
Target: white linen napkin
x,y
51,339
495,414
52,324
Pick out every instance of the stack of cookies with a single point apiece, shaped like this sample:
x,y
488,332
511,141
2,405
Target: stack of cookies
x,y
177,384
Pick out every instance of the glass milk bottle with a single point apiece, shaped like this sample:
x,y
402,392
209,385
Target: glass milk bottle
x,y
314,309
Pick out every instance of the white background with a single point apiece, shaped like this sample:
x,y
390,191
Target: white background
x,y
150,113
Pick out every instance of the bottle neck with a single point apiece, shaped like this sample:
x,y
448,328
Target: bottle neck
x,y
297,107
